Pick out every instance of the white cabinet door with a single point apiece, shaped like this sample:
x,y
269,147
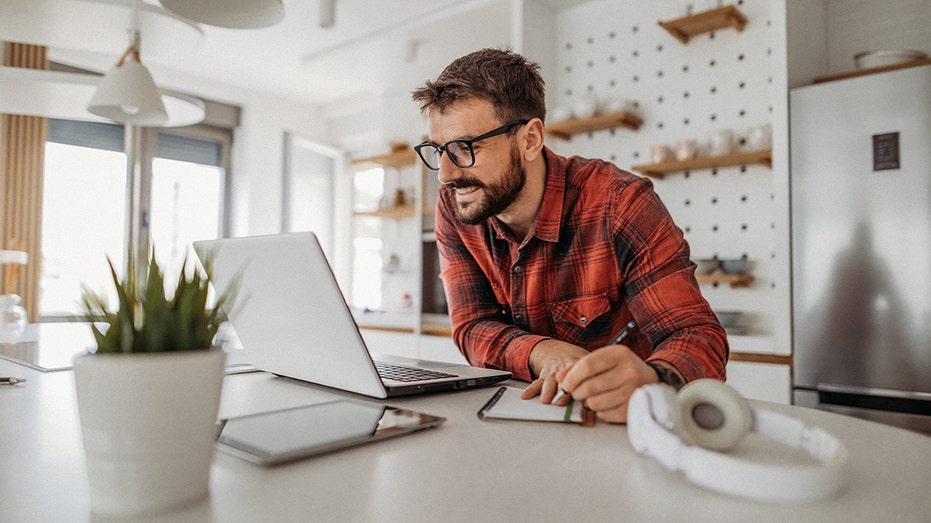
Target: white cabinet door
x,y
761,381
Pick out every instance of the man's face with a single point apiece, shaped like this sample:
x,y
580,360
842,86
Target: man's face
x,y
494,182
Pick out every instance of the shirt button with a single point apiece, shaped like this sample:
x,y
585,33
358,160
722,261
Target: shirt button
x,y
517,269
583,320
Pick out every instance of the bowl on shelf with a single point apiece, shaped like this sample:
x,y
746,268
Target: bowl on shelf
x,y
734,265
885,57
706,265
728,319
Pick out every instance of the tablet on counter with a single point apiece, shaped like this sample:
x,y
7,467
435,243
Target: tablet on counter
x,y
272,438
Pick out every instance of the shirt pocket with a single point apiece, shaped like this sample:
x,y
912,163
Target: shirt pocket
x,y
573,316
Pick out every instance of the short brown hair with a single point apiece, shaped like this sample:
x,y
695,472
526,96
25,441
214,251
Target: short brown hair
x,y
510,82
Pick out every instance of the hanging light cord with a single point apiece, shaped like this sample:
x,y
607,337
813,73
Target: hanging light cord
x,y
133,48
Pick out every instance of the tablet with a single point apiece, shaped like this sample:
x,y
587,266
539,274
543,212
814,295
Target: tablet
x,y
272,438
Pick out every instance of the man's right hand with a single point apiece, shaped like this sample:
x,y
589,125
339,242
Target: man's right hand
x,y
546,359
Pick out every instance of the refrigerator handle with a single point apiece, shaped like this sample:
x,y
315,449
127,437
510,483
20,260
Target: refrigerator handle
x,y
872,398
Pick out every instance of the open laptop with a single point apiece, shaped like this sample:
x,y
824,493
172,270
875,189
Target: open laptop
x,y
293,321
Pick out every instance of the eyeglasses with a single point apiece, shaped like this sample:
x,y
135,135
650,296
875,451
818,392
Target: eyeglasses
x,y
459,151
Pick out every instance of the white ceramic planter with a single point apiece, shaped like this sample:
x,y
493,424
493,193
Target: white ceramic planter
x,y
148,422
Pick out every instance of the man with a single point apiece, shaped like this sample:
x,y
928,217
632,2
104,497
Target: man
x,y
545,258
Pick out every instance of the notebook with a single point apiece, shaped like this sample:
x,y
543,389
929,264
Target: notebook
x,y
506,404
293,321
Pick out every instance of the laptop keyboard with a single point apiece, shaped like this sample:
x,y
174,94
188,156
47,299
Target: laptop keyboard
x,y
391,371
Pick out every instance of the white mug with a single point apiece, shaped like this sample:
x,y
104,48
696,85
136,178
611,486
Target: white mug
x,y
661,153
585,107
686,150
760,138
722,142
617,105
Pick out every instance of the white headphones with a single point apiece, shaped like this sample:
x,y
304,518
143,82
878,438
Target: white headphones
x,y
683,432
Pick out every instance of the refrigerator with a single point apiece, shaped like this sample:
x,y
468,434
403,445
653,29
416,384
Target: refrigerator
x,y
860,185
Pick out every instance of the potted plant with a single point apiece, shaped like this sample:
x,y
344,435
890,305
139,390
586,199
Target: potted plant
x,y
148,397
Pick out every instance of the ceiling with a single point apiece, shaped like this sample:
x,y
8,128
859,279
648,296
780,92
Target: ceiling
x,y
374,46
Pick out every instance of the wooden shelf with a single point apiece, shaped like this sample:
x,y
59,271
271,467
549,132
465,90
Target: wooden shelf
x,y
873,70
659,170
399,212
704,22
397,159
734,280
565,130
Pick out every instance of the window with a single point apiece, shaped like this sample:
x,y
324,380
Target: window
x,y
86,207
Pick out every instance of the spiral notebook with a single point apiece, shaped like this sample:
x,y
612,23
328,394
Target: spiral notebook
x,y
506,404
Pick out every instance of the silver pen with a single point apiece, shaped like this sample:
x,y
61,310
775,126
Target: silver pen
x,y
10,380
617,339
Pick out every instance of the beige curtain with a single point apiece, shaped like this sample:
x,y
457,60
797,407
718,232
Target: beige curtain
x,y
22,159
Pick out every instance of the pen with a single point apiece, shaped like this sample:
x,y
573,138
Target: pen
x,y
10,380
624,332
617,339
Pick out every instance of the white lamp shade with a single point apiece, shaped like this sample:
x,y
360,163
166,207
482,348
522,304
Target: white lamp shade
x,y
127,93
235,14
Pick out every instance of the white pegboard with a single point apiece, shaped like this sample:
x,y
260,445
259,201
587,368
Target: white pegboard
x,y
616,50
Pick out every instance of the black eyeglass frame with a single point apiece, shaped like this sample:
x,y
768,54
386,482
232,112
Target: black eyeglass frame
x,y
468,143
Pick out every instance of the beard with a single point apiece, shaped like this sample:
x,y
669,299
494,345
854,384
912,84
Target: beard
x,y
497,196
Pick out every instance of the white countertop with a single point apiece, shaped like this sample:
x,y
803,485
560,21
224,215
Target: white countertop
x,y
464,470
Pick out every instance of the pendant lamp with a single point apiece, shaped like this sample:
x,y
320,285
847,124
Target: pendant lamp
x,y
127,93
234,14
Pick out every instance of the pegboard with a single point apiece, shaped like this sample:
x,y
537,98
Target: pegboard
x,y
616,51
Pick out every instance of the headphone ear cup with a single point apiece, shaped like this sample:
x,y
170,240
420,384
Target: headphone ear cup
x,y
712,414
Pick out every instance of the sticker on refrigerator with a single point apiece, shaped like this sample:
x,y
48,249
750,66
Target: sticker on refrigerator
x,y
885,151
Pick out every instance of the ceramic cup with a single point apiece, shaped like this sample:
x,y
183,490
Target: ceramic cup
x,y
721,142
617,105
760,138
559,114
686,150
661,153
585,107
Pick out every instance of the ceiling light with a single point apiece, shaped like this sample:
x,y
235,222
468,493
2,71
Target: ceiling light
x,y
235,14
127,93
61,94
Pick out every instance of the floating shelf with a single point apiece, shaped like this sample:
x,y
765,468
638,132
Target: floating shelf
x,y
659,170
872,70
734,280
704,22
397,213
565,130
397,159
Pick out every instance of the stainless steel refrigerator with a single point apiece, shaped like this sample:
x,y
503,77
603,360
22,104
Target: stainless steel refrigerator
x,y
861,246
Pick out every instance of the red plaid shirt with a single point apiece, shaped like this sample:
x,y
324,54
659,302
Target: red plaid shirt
x,y
603,251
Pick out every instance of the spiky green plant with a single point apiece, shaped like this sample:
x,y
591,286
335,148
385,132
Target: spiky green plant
x,y
147,320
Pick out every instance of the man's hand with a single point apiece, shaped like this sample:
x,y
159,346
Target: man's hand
x,y
546,359
605,379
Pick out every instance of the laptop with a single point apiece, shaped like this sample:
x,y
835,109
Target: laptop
x,y
293,321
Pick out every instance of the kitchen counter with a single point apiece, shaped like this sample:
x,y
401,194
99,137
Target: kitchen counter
x,y
464,470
